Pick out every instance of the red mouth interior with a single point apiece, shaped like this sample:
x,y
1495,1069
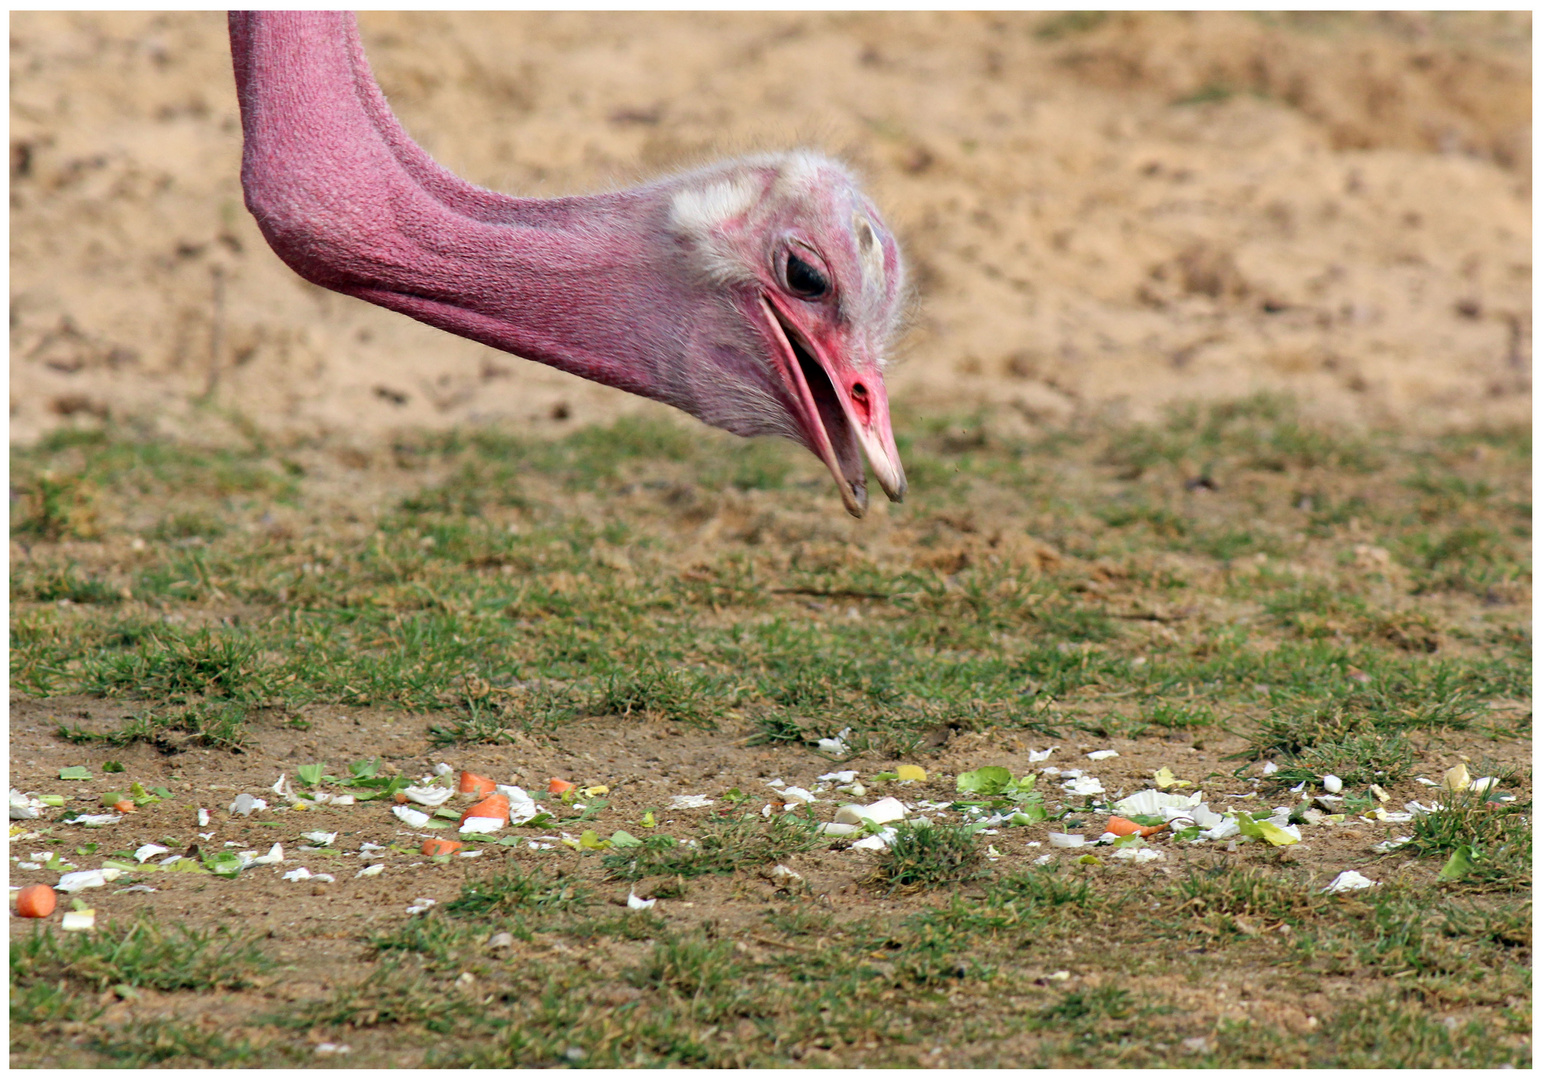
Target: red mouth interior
x,y
831,416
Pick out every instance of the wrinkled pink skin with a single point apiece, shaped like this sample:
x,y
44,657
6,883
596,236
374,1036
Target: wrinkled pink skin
x,y
605,286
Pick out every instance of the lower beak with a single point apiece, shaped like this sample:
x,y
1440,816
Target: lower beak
x,y
865,407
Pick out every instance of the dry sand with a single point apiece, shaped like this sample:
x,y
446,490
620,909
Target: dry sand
x,y
1100,215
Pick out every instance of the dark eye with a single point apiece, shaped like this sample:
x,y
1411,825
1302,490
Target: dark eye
x,y
804,280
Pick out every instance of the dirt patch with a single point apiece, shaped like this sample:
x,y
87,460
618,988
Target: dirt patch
x,y
313,930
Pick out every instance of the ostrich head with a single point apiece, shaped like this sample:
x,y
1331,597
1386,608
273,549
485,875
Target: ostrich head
x,y
810,283
757,295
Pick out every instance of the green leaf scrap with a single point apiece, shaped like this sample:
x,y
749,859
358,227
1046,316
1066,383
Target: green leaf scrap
x,y
991,780
1459,865
225,864
1264,830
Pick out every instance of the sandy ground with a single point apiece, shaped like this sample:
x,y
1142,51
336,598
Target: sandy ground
x,y
1100,215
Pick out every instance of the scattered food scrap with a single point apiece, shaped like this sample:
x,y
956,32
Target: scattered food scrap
x,y
36,902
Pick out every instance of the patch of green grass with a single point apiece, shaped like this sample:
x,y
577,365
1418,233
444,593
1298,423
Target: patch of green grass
x,y
1210,92
1328,513
661,691
55,508
1494,836
1470,557
777,728
559,1024
217,724
439,941
491,715
1158,520
147,1044
1222,895
928,855
722,845
799,920
1088,1008
1508,927
1386,1031
480,724
1426,699
1291,734
187,526
692,966
39,1001
177,665
437,597
64,481
1055,27
1076,624
1180,717
394,996
1363,758
142,954
50,584
1409,936
626,926
1262,432
1043,887
515,890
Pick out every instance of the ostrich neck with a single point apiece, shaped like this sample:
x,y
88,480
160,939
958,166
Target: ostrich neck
x,y
590,285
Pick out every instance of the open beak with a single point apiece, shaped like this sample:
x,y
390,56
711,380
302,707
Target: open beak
x,y
839,416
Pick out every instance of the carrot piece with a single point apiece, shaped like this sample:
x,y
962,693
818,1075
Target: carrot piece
x,y
472,784
494,806
1125,827
36,902
441,847
558,787
125,806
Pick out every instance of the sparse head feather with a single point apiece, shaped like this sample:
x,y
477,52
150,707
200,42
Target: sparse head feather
x,y
871,253
717,209
697,212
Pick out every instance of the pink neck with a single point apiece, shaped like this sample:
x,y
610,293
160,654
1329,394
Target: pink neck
x,y
350,202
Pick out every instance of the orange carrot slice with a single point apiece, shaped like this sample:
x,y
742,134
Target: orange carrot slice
x,y
558,787
441,847
1125,827
36,902
125,806
494,806
472,784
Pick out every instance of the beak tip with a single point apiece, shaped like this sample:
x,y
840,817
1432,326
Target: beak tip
x,y
854,495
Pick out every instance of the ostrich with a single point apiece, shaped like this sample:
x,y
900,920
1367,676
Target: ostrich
x,y
757,294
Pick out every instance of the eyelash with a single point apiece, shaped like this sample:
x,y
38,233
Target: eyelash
x,y
808,289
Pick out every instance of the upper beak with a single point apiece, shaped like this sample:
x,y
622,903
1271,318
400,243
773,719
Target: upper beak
x,y
868,413
863,404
